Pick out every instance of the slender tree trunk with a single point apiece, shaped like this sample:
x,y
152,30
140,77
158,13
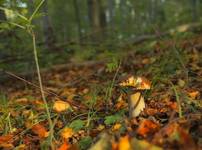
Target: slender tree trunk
x,y
123,12
194,10
77,14
97,18
47,29
2,19
111,12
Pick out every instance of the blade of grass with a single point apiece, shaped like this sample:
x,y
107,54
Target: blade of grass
x,y
177,99
36,10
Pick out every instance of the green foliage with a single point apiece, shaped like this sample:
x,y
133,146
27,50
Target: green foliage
x,y
85,142
109,120
113,65
77,125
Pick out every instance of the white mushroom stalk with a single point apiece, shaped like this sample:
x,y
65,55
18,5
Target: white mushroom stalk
x,y
135,99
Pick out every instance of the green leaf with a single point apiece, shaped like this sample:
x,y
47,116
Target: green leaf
x,y
77,125
85,142
112,119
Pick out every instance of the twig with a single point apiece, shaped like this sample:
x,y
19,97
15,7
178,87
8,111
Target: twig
x,y
44,90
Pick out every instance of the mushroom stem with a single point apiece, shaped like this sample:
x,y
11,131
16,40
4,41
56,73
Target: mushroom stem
x,y
136,104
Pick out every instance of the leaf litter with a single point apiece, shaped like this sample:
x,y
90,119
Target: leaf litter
x,y
103,121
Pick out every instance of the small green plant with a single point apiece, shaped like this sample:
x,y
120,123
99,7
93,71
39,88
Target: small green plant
x,y
85,142
77,125
5,119
111,84
109,120
177,99
29,28
92,102
113,65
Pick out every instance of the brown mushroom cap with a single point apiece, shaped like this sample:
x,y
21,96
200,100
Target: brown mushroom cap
x,y
139,83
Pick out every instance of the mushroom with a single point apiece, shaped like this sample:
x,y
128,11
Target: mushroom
x,y
135,99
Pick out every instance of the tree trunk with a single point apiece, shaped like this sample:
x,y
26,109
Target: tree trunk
x,y
194,10
77,14
2,19
97,18
2,15
49,37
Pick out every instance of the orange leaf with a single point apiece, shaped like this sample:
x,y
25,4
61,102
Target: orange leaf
x,y
64,146
146,127
40,130
194,94
5,138
114,145
67,133
116,127
61,106
124,143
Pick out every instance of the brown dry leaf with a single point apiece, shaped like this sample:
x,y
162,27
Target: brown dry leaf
x,y
60,106
69,92
175,133
173,106
121,103
22,100
139,83
40,130
67,133
124,143
194,94
146,61
64,146
147,127
136,103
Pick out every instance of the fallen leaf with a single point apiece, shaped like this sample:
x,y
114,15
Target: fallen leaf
x,y
103,143
181,83
64,146
124,143
147,127
143,145
67,133
116,127
22,100
6,141
100,127
60,106
40,130
136,104
121,103
194,94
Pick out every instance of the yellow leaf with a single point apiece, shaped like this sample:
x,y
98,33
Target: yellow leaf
x,y
67,133
100,127
116,127
124,143
136,104
181,83
61,106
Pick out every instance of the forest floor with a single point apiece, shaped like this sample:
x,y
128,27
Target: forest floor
x,y
89,108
